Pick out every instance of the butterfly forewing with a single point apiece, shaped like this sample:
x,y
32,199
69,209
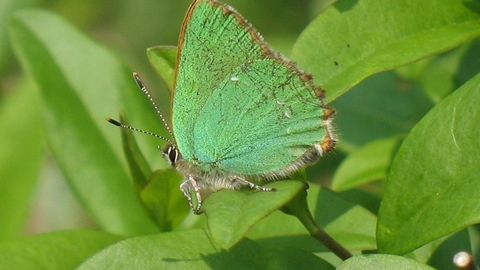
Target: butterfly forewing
x,y
213,42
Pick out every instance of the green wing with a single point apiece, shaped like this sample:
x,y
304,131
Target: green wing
x,y
214,41
262,118
238,107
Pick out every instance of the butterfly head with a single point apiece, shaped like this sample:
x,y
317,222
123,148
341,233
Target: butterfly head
x,y
171,154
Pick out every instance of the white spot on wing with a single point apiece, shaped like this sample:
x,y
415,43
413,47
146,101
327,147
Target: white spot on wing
x,y
234,79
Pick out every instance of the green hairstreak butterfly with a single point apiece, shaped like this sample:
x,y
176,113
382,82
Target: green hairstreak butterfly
x,y
240,110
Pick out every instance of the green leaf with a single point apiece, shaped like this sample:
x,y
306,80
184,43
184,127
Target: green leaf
x,y
231,214
444,254
434,176
469,66
380,106
163,198
356,38
349,224
8,7
139,168
193,249
57,250
21,144
424,253
163,60
382,261
368,198
439,78
80,84
298,207
369,163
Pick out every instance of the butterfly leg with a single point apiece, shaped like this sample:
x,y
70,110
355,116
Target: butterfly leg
x,y
186,187
245,182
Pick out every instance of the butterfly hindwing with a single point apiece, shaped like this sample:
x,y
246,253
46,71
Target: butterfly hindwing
x,y
262,117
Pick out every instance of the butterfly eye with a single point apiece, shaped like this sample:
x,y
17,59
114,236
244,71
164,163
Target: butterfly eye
x,y
171,153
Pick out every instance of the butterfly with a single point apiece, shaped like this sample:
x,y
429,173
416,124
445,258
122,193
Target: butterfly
x,y
240,110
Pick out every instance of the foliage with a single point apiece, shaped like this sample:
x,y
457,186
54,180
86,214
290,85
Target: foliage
x,y
402,76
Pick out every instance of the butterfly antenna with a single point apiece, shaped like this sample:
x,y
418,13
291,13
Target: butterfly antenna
x,y
116,123
142,86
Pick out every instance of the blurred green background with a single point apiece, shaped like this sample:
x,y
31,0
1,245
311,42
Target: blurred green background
x,y
383,105
128,28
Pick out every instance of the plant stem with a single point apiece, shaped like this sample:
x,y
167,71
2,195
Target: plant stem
x,y
322,236
299,208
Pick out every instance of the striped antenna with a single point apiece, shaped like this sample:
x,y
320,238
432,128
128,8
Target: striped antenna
x,y
142,86
116,123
